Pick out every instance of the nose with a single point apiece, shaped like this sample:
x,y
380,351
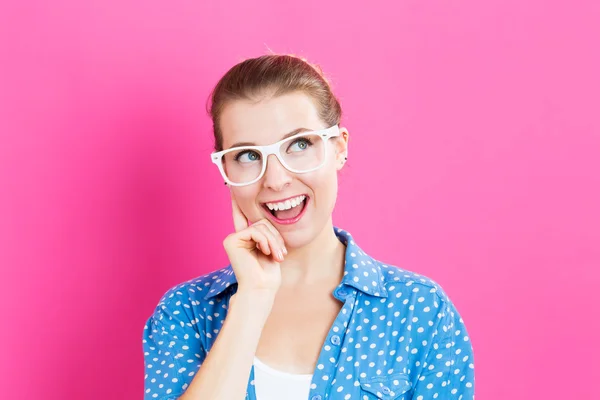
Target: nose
x,y
276,177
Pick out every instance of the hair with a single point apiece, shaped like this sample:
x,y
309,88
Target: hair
x,y
272,75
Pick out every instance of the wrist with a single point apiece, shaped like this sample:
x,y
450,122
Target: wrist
x,y
254,301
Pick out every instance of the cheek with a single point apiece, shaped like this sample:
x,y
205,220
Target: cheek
x,y
324,186
246,198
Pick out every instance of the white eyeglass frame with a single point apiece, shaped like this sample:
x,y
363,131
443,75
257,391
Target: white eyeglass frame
x,y
267,150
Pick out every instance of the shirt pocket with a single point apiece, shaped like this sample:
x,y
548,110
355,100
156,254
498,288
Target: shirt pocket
x,y
386,387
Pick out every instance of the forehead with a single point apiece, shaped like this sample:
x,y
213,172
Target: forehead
x,y
266,121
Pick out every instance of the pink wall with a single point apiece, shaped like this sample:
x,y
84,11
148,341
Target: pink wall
x,y
474,156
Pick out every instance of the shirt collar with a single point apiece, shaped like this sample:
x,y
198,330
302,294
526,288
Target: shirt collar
x,y
360,271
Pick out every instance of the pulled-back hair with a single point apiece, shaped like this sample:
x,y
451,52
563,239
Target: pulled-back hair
x,y
272,75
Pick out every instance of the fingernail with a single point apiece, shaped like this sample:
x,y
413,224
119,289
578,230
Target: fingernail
x,y
280,255
285,251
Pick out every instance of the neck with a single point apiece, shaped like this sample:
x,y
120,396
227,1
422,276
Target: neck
x,y
320,260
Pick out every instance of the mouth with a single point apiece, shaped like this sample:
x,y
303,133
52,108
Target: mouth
x,y
287,212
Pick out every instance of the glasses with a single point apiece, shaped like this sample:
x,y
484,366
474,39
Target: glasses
x,y
301,153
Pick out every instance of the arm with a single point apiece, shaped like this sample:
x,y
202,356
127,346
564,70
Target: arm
x,y
176,363
226,370
449,370
173,350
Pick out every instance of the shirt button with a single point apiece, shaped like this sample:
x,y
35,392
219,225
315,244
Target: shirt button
x,y
335,339
385,390
316,397
342,293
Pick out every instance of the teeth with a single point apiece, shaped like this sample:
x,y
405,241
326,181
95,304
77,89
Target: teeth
x,y
286,205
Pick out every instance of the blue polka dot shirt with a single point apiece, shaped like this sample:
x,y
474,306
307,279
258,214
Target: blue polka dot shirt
x,y
397,336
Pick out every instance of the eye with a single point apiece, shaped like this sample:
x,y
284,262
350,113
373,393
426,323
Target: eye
x,y
247,156
300,144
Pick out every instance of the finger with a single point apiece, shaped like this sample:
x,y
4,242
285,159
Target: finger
x,y
261,240
239,219
249,238
275,232
274,243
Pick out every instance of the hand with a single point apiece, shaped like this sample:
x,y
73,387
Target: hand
x,y
255,252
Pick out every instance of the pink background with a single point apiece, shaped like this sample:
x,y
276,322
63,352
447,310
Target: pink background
x,y
474,160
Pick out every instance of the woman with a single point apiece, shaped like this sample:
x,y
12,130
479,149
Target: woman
x,y
301,312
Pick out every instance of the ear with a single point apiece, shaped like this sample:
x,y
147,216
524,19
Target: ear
x,y
341,148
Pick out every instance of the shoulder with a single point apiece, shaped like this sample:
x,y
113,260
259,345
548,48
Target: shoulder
x,y
413,288
197,290
396,278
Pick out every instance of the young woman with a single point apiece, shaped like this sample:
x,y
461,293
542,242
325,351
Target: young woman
x,y
301,312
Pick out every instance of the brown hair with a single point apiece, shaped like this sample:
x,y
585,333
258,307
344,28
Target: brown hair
x,y
272,75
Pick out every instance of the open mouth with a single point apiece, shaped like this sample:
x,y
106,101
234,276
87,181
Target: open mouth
x,y
289,211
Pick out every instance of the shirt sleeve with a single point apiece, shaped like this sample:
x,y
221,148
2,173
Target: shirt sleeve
x,y
448,371
173,351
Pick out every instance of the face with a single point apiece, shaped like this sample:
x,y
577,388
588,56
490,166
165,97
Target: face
x,y
264,123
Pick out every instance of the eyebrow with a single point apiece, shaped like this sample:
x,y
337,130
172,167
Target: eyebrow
x,y
287,135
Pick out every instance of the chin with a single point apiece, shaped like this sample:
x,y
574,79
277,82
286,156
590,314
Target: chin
x,y
301,236
297,238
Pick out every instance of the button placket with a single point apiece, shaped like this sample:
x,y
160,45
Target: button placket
x,y
342,292
328,353
335,340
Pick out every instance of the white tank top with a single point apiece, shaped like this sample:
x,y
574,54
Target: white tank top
x,y
271,384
